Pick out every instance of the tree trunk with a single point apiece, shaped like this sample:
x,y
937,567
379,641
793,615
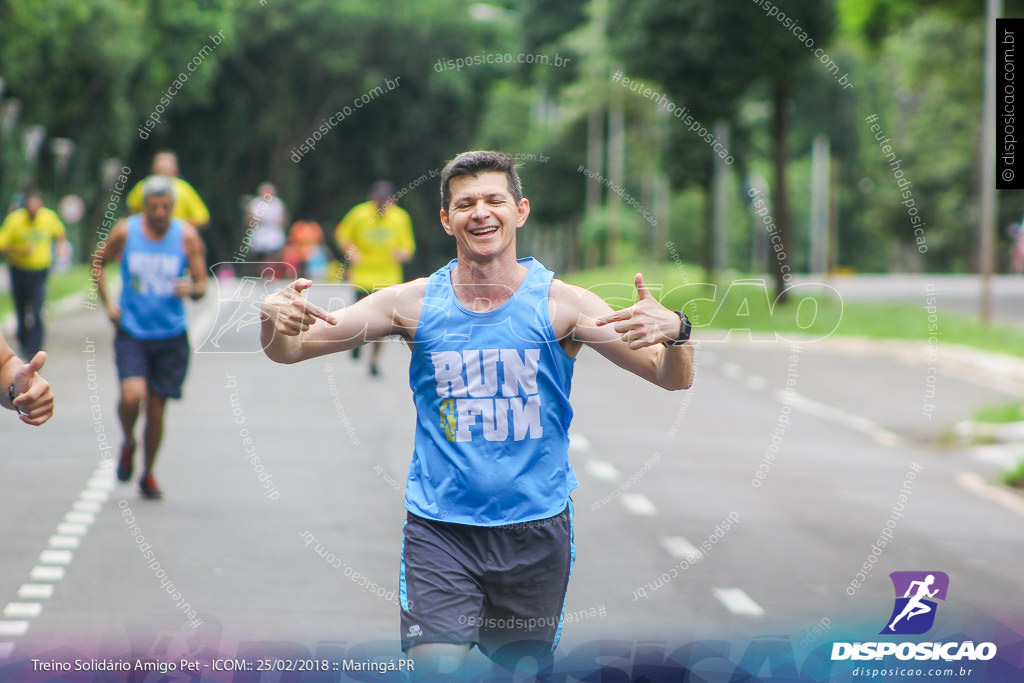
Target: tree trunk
x,y
595,164
707,244
780,125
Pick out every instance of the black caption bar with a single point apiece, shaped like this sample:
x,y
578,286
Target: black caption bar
x,y
1009,147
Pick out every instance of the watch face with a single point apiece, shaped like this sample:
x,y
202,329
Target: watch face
x,y
685,328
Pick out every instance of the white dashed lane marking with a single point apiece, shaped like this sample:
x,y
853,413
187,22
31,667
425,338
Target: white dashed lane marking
x,y
13,628
732,370
677,546
46,573
80,517
35,591
22,609
55,558
755,383
738,602
599,469
638,504
64,541
72,529
578,442
733,599
101,484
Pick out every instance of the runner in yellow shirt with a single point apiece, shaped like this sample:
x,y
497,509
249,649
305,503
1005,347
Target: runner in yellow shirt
x,y
26,238
376,237
187,204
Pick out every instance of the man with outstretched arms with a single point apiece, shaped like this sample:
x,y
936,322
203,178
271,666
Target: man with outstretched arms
x,y
488,541
161,264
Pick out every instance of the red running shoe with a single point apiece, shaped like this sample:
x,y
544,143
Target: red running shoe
x,y
126,464
149,489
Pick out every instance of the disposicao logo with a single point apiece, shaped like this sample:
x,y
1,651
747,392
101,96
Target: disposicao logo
x,y
913,613
914,610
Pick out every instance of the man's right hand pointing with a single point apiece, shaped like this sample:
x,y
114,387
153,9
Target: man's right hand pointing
x,y
291,312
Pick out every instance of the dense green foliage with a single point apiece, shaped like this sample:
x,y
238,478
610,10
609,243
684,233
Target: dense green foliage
x,y
270,74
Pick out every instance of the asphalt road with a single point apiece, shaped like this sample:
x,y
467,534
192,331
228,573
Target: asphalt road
x,y
835,436
950,293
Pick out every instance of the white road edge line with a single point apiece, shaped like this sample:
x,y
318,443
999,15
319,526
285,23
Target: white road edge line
x,y
849,420
976,484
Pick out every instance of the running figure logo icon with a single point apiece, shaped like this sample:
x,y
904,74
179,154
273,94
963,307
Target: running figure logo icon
x,y
914,611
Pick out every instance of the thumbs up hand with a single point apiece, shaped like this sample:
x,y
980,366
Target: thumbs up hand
x,y
646,322
32,397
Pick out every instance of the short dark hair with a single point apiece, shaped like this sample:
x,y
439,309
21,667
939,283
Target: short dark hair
x,y
475,163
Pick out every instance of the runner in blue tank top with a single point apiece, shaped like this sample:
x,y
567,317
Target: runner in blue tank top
x,y
150,343
487,546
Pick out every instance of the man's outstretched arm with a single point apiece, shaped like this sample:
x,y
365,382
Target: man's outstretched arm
x,y
633,337
294,329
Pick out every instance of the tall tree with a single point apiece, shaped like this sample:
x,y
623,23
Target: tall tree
x,y
711,53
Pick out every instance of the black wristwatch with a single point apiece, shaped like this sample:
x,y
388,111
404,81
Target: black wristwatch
x,y
12,395
684,331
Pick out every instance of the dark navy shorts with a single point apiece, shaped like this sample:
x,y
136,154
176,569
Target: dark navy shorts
x,y
162,362
502,588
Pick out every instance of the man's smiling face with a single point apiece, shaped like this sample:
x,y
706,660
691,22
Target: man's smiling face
x,y
483,216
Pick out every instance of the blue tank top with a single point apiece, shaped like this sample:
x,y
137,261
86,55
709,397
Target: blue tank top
x,y
492,408
149,309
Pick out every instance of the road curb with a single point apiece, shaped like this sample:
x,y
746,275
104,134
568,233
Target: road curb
x,y
995,369
1003,432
